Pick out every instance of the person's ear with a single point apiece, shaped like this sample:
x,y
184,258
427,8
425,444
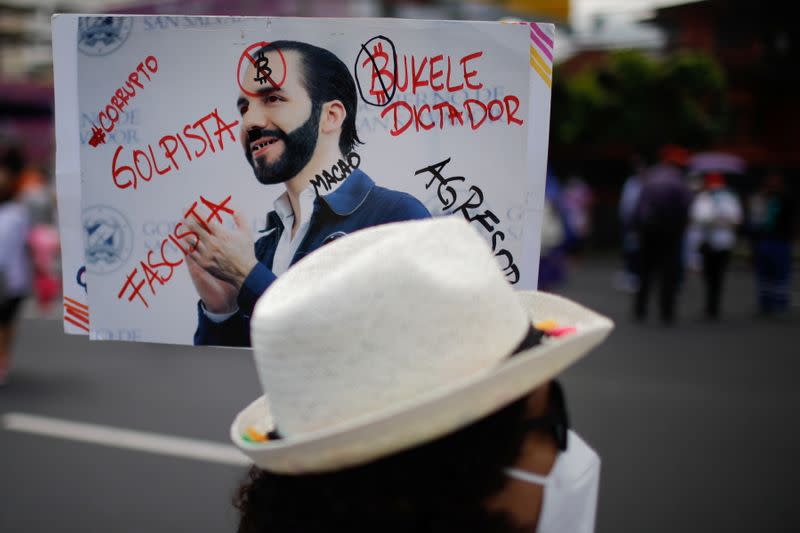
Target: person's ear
x,y
332,116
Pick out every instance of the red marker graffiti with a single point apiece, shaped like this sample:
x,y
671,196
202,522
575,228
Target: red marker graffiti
x,y
157,269
379,63
263,70
76,313
98,136
112,112
379,73
440,73
206,135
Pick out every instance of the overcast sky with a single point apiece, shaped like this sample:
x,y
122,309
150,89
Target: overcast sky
x,y
581,9
584,10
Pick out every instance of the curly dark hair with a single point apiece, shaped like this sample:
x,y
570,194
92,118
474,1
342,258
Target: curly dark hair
x,y
442,486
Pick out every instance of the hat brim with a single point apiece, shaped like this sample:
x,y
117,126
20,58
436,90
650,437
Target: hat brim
x,y
429,416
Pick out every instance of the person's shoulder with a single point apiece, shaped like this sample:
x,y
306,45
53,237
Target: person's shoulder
x,y
731,196
393,195
701,196
14,211
577,461
398,202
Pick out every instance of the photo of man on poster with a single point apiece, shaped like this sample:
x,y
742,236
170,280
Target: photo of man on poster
x,y
298,127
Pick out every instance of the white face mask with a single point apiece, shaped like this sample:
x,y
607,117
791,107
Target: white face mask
x,y
570,490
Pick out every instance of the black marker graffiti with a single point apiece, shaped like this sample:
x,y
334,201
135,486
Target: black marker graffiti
x,y
339,171
263,72
379,65
468,208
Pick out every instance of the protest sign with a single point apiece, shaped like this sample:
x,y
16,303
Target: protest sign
x,y
68,174
198,140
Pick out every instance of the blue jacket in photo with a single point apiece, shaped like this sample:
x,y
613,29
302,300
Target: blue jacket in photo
x,y
356,204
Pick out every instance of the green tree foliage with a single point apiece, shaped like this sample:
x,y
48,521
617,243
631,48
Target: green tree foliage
x,y
636,101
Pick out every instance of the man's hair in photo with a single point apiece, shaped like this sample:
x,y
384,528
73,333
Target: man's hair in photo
x,y
326,78
440,486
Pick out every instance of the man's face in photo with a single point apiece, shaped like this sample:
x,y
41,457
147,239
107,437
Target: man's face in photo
x,y
280,124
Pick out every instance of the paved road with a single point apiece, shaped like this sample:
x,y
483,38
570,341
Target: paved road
x,y
696,424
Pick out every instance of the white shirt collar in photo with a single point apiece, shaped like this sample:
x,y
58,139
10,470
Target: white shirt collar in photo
x,y
287,246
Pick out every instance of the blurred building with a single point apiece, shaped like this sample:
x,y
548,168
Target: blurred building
x,y
758,45
24,41
26,93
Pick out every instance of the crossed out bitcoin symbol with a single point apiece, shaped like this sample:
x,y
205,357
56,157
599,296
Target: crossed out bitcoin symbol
x,y
263,72
380,73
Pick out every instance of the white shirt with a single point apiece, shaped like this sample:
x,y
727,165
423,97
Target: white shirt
x,y
14,260
570,489
716,214
287,246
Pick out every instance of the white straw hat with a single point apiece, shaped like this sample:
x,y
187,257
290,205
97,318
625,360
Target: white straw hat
x,y
391,337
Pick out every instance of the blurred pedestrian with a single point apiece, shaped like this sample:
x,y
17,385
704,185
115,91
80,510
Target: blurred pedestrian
x,y
771,214
715,213
419,396
14,260
35,191
44,245
555,238
577,199
628,279
660,219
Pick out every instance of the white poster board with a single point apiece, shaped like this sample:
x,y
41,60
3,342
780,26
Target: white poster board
x,y
68,174
453,116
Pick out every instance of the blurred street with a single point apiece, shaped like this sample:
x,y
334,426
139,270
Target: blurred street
x,y
694,423
660,111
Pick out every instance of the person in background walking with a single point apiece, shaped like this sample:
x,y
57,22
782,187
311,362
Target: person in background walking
x,y
577,199
628,279
771,226
37,194
715,213
660,219
555,237
14,260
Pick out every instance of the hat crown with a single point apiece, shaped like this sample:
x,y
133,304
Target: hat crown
x,y
369,322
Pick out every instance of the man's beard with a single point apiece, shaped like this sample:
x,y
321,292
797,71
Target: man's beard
x,y
298,147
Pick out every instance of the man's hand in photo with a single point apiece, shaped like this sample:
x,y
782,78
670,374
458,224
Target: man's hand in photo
x,y
220,261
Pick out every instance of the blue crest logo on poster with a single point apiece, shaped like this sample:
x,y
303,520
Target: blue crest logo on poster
x,y
108,238
99,36
80,278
